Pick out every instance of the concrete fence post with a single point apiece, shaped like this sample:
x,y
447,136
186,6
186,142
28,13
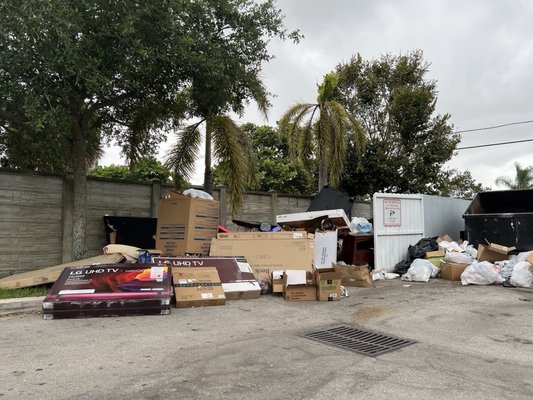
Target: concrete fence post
x,y
156,196
273,206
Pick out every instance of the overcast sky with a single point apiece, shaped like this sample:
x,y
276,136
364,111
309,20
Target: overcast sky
x,y
481,55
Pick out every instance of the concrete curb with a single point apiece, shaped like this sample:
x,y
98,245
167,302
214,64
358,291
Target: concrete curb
x,y
20,305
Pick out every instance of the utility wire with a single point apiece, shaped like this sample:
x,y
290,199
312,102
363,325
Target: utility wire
x,y
493,144
494,126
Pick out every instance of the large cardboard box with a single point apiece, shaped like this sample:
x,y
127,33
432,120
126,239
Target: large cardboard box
x,y
452,271
328,285
493,252
354,275
238,280
197,287
267,251
186,225
325,249
299,285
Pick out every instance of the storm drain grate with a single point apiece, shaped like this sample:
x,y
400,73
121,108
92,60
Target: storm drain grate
x,y
361,341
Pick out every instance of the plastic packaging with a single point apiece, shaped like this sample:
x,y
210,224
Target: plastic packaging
x,y
361,225
483,273
195,193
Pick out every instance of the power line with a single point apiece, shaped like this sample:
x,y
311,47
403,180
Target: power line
x,y
493,144
495,126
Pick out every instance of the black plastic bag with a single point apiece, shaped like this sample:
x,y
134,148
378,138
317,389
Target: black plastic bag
x,y
402,267
420,249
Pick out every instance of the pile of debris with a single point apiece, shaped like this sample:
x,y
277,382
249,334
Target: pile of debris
x,y
309,256
459,261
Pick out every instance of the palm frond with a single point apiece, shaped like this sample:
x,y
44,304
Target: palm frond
x,y
227,148
505,181
290,124
260,96
337,136
182,156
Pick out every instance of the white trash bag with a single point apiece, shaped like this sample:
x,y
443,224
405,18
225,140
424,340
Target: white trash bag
x,y
482,273
458,258
522,275
420,271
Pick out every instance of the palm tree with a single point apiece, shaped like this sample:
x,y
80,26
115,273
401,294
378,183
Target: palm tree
x,y
225,142
320,131
522,180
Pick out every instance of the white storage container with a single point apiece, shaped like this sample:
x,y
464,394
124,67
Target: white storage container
x,y
401,220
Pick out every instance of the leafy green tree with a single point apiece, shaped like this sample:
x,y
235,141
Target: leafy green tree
x,y
75,72
453,183
275,169
321,131
407,143
145,169
522,180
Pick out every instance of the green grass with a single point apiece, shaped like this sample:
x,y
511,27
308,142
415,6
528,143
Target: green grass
x,y
24,292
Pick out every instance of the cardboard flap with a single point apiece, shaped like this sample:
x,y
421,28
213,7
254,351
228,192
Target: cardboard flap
x,y
295,277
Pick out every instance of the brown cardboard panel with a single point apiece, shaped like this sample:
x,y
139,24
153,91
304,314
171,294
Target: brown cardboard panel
x,y
452,271
493,252
186,225
197,287
236,275
267,251
354,275
433,254
529,258
445,238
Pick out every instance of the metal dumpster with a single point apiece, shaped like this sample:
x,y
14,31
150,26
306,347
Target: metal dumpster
x,y
504,217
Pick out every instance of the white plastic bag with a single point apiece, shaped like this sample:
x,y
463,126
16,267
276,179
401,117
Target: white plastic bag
x,y
458,258
483,273
522,275
450,246
420,271
361,225
523,256
195,193
506,268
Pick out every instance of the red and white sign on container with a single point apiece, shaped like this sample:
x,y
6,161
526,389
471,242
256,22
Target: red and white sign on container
x,y
392,212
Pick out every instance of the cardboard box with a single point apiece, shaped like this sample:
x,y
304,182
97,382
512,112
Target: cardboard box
x,y
325,249
197,287
186,225
238,280
452,271
445,238
277,281
299,285
328,285
354,275
493,252
267,251
435,257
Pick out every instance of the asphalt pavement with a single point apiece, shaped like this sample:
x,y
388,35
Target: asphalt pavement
x,y
473,342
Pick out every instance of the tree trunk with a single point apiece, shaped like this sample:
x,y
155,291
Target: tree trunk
x,y
322,173
79,171
208,174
